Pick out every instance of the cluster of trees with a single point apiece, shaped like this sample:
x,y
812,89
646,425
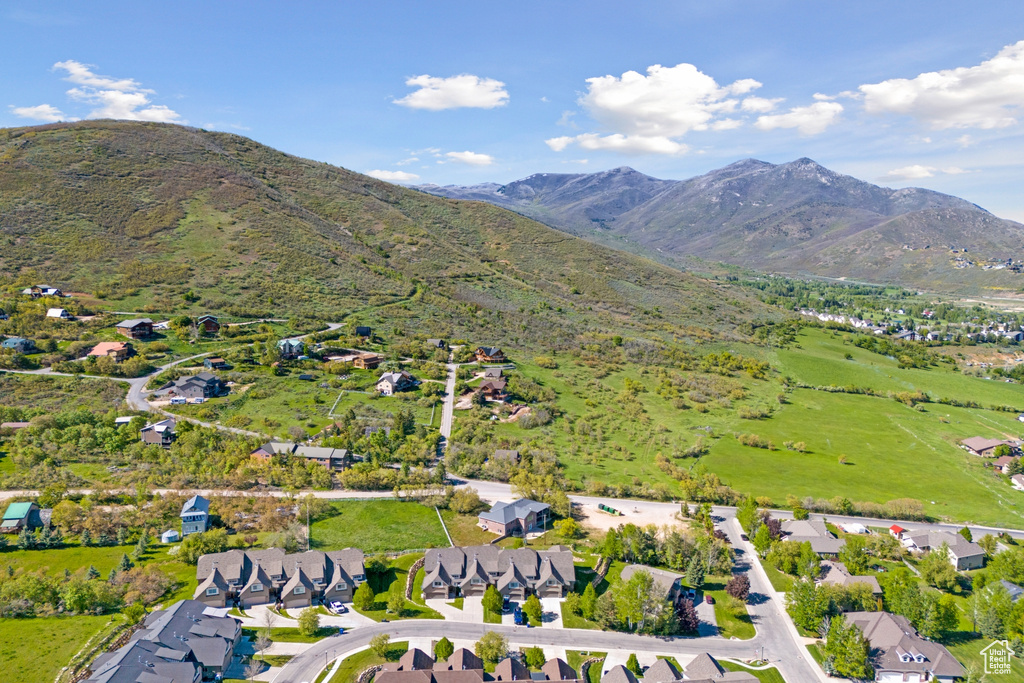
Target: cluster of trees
x,y
27,594
635,605
697,552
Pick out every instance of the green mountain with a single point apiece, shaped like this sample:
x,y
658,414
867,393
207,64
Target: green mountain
x,y
798,217
165,218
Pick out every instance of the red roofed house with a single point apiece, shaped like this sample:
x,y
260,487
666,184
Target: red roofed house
x,y
897,531
119,351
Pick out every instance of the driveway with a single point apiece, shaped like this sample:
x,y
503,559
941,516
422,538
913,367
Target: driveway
x,y
472,611
708,622
552,617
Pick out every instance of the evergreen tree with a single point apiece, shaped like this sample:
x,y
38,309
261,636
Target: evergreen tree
x,y
93,573
102,540
26,539
695,571
633,665
125,564
443,649
85,538
589,601
44,540
122,535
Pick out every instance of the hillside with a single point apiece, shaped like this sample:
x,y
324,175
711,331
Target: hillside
x,y
164,219
797,217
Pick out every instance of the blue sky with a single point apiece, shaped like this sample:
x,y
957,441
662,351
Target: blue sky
x,y
898,93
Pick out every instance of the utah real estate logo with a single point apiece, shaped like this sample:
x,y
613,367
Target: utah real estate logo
x,y
997,657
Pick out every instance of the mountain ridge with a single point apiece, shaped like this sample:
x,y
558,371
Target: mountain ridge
x,y
776,217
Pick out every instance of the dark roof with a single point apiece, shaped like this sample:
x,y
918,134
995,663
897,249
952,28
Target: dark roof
x,y
558,670
503,513
619,674
662,671
196,504
511,669
892,638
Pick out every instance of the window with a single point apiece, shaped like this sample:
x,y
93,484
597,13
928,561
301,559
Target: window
x,y
513,584
341,586
552,582
438,584
212,591
256,587
299,590
477,581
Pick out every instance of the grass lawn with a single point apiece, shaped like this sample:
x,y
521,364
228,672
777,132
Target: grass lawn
x,y
394,580
575,658
780,582
354,665
816,653
34,650
491,617
577,621
292,635
379,526
967,650
731,614
771,675
457,603
274,660
464,529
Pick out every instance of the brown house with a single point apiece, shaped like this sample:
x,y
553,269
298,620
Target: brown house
x,y
451,572
463,666
159,433
490,354
367,361
494,390
515,518
136,329
982,447
208,323
119,351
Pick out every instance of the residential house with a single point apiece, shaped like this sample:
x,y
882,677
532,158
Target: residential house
x,y
837,574
515,518
59,314
437,343
159,433
982,447
493,373
195,516
822,541
216,364
267,577
136,328
11,427
899,653
1017,481
1003,463
494,390
202,385
20,516
963,554
331,458
705,668
511,456
662,671
367,361
119,351
363,331
3,314
36,291
618,674
19,344
391,383
291,348
489,354
906,335
669,585
1013,590
416,666
450,572
511,669
185,643
208,323
559,670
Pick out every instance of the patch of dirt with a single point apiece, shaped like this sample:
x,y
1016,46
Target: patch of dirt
x,y
464,402
517,412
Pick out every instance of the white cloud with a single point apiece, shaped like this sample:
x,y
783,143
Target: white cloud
x,y
760,105
809,120
393,176
464,90
471,158
41,112
113,98
406,162
989,95
626,144
964,141
918,171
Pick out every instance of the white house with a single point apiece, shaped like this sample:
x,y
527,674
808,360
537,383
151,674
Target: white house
x,y
393,382
59,313
963,554
1017,481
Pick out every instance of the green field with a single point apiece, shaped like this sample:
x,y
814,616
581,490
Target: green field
x,y
379,526
34,650
731,614
770,675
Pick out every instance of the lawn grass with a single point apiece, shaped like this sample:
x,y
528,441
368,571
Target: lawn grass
x,y
577,621
491,617
575,659
731,614
379,526
771,675
394,580
816,653
354,665
457,603
291,635
780,582
967,651
465,530
34,650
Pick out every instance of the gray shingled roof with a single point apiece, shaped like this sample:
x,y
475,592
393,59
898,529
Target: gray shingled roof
x,y
892,637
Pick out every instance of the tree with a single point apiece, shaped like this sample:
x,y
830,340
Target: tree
x,y
747,515
85,538
363,598
612,547
633,665
762,540
807,604
809,564
262,641
443,649
588,601
92,573
253,667
492,600
568,528
380,644
125,564
396,601
937,570
134,612
26,539
533,610
535,657
309,621
966,533
695,571
492,647
739,586
196,545
988,543
122,535
847,649
854,554
800,513
687,617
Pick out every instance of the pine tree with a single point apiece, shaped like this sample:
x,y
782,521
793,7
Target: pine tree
x,y
695,572
122,535
85,538
633,665
93,573
125,563
26,539
589,601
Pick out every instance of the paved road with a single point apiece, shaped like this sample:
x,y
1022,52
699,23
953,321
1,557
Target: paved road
x,y
306,667
448,408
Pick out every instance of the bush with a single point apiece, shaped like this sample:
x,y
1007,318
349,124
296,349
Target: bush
x,y
309,621
738,587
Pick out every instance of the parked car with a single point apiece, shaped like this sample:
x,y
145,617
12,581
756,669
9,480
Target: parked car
x,y
506,605
708,599
744,537
178,401
519,617
691,594
338,608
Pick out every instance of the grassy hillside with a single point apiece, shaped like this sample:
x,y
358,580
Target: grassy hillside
x,y
166,219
